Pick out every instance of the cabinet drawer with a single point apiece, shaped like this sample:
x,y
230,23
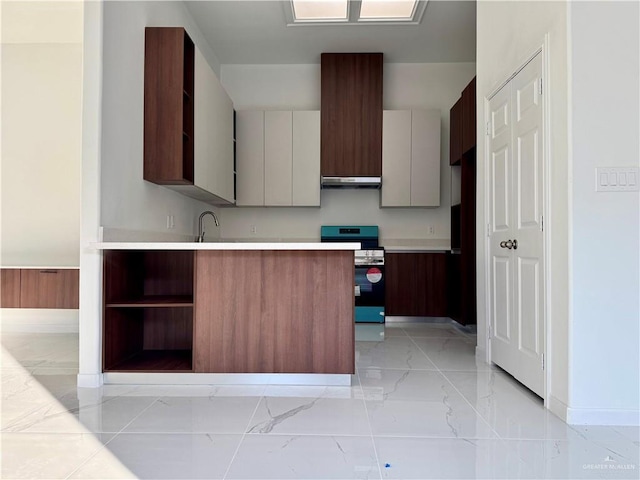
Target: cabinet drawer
x,y
49,288
10,288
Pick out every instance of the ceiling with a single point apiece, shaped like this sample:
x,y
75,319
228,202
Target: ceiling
x,y
255,32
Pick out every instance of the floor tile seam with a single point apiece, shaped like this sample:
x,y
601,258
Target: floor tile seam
x,y
404,369
460,393
243,435
91,457
366,412
156,399
439,437
299,434
424,353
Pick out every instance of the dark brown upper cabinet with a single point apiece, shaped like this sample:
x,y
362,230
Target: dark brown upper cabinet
x,y
469,116
351,114
168,106
455,133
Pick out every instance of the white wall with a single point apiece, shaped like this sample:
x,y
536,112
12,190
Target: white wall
x,y
127,201
298,87
508,33
41,134
605,332
114,195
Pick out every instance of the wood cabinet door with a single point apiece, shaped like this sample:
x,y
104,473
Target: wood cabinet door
x,y
351,114
278,158
250,158
306,159
455,133
10,288
49,288
469,117
416,284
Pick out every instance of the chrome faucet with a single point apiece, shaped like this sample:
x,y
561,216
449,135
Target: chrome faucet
x,y
200,237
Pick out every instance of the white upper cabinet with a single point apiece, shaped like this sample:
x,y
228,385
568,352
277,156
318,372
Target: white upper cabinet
x,y
278,158
306,159
250,158
410,158
396,158
213,134
425,158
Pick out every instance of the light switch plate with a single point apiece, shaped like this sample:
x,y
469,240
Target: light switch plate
x,y
617,179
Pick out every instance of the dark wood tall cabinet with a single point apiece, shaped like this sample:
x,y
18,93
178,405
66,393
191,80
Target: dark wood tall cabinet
x,y
351,114
461,264
468,137
455,133
169,106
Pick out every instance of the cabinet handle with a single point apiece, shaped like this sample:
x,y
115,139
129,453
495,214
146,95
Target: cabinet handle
x,y
48,271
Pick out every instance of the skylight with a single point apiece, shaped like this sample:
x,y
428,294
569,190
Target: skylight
x,y
387,10
320,10
351,12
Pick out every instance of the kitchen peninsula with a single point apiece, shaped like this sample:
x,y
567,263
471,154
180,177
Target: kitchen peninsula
x,y
227,308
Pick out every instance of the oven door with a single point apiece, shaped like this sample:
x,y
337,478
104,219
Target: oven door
x,y
369,292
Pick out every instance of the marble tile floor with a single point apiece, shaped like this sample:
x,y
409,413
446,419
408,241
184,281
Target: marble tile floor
x,y
421,406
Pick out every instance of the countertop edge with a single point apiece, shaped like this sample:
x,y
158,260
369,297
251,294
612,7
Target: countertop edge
x,y
416,249
223,246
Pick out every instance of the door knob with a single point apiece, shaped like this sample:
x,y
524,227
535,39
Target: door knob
x,y
510,244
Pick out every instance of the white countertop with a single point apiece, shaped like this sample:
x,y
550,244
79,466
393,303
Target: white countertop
x,y
37,267
416,245
225,245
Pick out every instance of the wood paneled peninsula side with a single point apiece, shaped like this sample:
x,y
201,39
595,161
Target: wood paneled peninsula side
x,y
228,308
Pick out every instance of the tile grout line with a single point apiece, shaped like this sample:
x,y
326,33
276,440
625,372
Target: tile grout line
x,y
366,412
244,433
91,457
458,391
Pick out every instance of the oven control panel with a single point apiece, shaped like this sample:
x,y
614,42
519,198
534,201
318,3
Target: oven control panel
x,y
369,257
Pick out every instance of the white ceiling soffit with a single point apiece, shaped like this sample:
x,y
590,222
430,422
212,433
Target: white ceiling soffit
x,y
256,32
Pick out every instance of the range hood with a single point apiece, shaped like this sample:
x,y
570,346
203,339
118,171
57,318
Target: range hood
x,y
350,182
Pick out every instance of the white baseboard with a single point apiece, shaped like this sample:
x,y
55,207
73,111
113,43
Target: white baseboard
x,y
39,320
90,380
136,378
598,416
558,408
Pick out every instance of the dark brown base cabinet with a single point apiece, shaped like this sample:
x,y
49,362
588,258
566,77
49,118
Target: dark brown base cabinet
x,y
229,311
416,284
40,288
275,312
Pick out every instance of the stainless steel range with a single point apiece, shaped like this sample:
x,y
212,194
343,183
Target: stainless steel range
x,y
369,268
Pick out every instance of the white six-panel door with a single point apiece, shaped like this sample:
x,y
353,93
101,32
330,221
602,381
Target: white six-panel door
x,y
516,248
